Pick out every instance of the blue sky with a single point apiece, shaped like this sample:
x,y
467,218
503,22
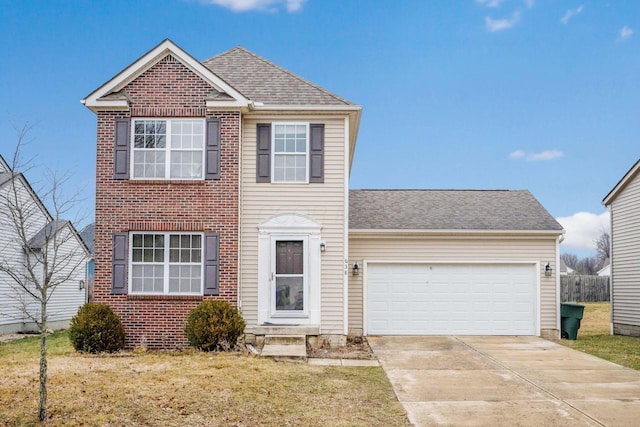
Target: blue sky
x,y
483,94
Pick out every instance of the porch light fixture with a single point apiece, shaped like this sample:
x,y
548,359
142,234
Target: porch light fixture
x,y
548,270
356,269
323,246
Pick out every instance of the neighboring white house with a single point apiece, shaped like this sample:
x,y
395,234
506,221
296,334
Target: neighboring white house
x,y
623,202
42,236
605,271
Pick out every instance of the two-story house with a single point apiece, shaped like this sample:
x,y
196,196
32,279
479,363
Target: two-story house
x,y
34,243
229,179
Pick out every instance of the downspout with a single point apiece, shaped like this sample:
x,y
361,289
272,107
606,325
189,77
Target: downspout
x,y
559,240
239,273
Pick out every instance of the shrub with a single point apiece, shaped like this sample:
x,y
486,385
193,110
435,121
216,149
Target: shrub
x,y
214,325
95,329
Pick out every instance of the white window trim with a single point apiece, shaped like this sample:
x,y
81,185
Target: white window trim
x,y
273,152
167,149
305,276
165,263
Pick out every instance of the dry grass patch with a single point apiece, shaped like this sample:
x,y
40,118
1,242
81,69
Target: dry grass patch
x,y
594,337
190,389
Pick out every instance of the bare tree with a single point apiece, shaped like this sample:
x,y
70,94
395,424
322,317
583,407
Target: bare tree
x,y
41,251
570,260
603,248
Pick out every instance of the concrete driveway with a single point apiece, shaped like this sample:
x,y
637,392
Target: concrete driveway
x,y
518,381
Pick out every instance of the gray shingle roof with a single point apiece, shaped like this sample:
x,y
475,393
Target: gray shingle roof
x,y
260,80
88,235
501,210
46,234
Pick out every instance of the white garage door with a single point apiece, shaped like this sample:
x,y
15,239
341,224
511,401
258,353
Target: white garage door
x,y
451,299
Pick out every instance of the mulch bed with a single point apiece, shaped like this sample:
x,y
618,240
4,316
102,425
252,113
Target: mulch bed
x,y
356,348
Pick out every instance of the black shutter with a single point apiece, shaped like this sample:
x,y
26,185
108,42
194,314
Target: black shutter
x,y
212,158
316,153
119,263
121,155
263,152
211,263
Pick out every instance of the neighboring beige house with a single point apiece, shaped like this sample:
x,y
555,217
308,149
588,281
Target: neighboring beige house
x,y
264,195
623,202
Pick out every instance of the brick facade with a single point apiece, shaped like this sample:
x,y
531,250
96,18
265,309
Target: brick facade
x,y
168,89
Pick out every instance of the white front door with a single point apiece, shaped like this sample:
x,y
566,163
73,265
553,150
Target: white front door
x,y
289,282
289,271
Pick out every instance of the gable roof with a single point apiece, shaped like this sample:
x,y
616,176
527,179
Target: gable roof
x,y
264,82
108,95
46,233
449,210
626,179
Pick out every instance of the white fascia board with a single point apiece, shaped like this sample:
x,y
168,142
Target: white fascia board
x,y
621,184
412,232
213,105
272,107
148,60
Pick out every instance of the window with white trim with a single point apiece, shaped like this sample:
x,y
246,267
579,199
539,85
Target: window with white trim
x,y
166,263
290,152
168,148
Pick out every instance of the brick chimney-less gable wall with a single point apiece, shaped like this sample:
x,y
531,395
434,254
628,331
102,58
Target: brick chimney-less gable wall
x,y
168,89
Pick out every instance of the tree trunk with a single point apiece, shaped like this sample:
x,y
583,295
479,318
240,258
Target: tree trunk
x,y
42,404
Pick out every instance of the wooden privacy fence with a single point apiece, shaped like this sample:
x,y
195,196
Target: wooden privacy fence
x,y
575,287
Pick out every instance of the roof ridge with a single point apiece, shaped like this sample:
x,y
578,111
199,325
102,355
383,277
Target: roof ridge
x,y
291,73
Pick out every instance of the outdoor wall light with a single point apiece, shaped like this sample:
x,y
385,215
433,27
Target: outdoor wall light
x,y
356,269
548,270
81,284
323,246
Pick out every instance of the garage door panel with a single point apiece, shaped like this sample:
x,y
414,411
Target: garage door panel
x,y
441,299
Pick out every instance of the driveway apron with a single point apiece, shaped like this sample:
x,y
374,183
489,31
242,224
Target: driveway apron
x,y
516,381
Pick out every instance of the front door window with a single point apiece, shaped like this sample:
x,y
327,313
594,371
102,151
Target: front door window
x,y
289,276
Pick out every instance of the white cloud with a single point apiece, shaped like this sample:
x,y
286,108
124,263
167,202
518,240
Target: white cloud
x,y
518,154
536,157
490,3
569,13
583,228
494,25
625,33
260,5
529,3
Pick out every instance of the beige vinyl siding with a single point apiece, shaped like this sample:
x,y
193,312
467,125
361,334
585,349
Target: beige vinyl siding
x,y
625,255
324,203
455,249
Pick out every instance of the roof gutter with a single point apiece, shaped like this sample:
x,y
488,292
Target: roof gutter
x,y
436,232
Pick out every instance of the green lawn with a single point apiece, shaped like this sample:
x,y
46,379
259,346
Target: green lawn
x,y
594,338
189,388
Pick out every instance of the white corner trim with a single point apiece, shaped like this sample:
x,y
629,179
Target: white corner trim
x,y
346,224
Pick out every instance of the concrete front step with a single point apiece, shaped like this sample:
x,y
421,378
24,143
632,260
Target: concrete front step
x,y
285,340
285,347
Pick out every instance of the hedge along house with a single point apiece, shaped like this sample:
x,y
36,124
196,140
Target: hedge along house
x,y
228,179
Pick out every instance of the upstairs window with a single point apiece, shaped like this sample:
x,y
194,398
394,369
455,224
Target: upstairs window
x,y
168,148
290,144
290,152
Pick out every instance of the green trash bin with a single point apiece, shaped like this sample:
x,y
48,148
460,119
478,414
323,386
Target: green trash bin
x,y
570,314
